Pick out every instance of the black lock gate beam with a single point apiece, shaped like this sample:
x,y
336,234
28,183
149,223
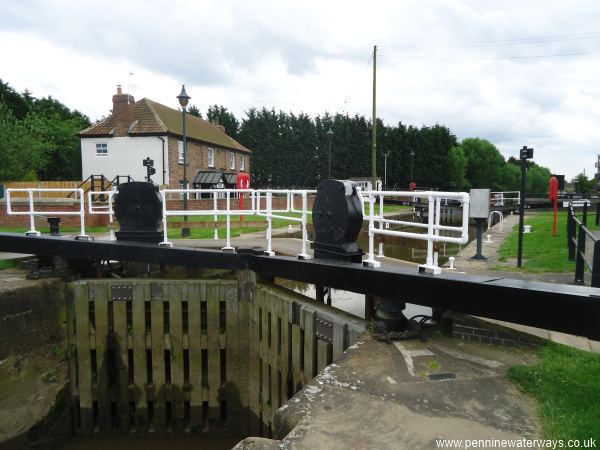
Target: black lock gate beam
x,y
565,308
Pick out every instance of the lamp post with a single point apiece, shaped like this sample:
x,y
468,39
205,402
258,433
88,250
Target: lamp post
x,y
329,137
385,155
524,154
412,158
184,98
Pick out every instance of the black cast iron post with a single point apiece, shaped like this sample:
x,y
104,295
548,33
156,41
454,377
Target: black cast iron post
x,y
525,154
184,98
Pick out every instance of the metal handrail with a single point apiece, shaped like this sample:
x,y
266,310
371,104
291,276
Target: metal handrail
x,y
32,213
433,226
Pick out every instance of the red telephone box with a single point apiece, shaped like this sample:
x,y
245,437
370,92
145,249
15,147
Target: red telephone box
x,y
243,182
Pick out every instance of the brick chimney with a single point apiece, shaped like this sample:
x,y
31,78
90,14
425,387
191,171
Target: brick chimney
x,y
122,112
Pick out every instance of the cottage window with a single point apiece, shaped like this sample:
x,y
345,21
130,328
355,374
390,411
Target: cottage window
x,y
232,161
180,151
242,163
101,149
211,157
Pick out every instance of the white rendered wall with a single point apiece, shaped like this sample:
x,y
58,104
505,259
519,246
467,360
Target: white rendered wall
x,y
125,156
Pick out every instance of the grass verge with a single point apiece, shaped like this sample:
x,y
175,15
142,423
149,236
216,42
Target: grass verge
x,y
8,264
566,384
542,252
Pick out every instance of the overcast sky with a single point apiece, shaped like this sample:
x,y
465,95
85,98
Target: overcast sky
x,y
513,72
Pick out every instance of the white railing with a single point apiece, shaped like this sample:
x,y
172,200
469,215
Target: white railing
x,y
32,213
215,212
505,198
261,204
257,197
268,213
433,226
103,207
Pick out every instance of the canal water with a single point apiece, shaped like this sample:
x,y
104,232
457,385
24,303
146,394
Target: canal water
x,y
393,247
151,443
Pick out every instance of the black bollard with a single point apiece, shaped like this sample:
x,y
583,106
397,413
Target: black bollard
x,y
54,223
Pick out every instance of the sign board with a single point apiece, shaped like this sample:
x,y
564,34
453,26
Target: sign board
x,y
479,207
526,153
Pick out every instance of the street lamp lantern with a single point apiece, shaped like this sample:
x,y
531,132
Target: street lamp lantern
x,y
329,137
184,98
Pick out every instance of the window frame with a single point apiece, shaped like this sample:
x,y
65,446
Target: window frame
x,y
210,154
100,146
180,152
242,163
232,161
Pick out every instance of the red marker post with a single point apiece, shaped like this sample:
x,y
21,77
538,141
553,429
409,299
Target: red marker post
x,y
554,199
243,182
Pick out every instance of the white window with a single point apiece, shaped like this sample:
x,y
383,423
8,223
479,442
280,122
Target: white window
x,y
232,161
242,163
101,149
211,157
180,151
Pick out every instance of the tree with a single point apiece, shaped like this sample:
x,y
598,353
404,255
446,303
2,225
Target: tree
x,y
457,169
485,163
194,111
225,118
583,184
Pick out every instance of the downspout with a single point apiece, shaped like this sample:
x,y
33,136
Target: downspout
x,y
163,160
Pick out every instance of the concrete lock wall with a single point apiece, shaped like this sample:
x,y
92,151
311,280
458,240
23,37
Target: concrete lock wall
x,y
216,356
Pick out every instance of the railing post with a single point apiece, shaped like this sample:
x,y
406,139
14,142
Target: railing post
x,y
596,265
82,212
269,250
304,254
370,261
579,262
228,247
585,212
31,213
381,224
598,214
571,232
165,241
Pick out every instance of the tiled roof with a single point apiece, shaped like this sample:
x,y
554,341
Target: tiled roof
x,y
152,118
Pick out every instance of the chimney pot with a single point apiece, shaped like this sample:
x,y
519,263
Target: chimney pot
x,y
119,91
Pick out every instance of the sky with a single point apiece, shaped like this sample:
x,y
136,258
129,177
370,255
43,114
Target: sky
x,y
513,72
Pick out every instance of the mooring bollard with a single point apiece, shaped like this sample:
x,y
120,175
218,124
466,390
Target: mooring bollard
x,y
451,261
489,238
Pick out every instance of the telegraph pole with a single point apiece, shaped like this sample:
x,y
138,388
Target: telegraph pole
x,y
374,139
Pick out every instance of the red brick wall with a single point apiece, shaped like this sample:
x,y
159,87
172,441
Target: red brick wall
x,y
197,155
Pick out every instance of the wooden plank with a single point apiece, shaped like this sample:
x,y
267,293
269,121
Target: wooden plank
x,y
253,365
339,338
176,334
214,351
245,281
196,294
141,292
275,351
72,348
84,366
286,342
101,293
232,356
310,346
297,373
158,359
324,354
122,363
